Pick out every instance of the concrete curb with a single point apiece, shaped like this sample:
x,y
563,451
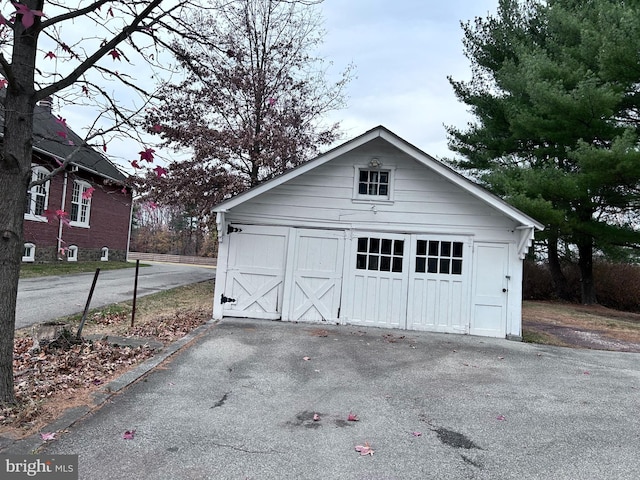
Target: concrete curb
x,y
33,443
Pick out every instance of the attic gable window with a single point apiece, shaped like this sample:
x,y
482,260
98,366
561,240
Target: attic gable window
x,y
38,195
373,182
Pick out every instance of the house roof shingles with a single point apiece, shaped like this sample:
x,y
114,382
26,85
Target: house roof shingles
x,y
53,138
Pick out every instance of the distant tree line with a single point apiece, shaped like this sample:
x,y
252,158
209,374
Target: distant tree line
x,y
170,230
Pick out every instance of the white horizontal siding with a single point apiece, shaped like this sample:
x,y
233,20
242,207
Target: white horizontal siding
x,y
421,197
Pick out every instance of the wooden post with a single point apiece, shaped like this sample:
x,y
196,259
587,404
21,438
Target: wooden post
x,y
86,307
135,293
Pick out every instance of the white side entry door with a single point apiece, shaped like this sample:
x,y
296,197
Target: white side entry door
x,y
490,289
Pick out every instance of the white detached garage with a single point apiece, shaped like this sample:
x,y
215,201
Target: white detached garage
x,y
375,233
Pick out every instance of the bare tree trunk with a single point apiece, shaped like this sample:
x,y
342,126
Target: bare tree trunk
x,y
555,268
587,287
15,174
12,191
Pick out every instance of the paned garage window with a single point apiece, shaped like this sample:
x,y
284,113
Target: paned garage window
x,y
380,254
433,256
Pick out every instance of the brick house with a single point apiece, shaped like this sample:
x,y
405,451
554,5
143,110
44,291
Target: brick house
x,y
99,220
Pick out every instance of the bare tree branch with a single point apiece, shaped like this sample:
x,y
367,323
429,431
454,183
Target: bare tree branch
x,y
101,52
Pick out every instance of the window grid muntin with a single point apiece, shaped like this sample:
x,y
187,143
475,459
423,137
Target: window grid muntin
x,y
380,254
373,183
439,257
36,201
79,205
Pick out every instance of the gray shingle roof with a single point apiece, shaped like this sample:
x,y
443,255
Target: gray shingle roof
x,y
48,140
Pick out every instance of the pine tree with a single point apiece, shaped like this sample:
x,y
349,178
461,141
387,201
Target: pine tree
x,y
555,94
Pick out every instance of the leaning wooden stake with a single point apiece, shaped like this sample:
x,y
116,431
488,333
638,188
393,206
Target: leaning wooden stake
x,y
86,307
135,293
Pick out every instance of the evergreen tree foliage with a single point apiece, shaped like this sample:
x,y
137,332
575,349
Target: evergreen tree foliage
x,y
555,93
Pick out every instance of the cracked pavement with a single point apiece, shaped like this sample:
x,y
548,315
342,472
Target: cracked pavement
x,y
239,403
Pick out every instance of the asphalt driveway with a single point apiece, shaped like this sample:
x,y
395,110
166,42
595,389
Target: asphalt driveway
x,y
239,404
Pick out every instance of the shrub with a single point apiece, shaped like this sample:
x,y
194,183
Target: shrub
x,y
617,284
536,282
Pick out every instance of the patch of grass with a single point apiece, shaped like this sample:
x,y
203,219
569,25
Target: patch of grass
x,y
115,318
31,270
558,320
536,336
531,336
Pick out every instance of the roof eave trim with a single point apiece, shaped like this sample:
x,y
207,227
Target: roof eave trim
x,y
461,181
83,167
305,167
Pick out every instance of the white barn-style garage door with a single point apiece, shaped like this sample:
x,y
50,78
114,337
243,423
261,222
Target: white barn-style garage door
x,y
390,280
439,284
254,282
413,282
314,276
378,280
283,273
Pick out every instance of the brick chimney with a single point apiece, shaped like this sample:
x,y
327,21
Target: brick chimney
x,y
46,104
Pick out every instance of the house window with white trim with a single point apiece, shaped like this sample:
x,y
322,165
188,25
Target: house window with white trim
x,y
104,256
72,254
38,195
29,252
80,206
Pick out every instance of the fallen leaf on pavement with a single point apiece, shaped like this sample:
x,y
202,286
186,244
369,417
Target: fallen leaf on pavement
x,y
352,417
128,435
48,436
501,418
416,434
364,449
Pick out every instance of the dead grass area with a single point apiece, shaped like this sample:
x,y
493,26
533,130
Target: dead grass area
x,y
581,326
63,373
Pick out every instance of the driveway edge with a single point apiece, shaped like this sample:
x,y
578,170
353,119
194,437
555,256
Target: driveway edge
x,y
34,442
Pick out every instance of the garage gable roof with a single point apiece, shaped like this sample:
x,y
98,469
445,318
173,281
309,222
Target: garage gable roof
x,y
420,156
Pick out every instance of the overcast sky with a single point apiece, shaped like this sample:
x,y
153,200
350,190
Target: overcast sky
x,y
403,51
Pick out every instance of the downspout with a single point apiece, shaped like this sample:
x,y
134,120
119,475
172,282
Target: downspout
x,y
62,205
